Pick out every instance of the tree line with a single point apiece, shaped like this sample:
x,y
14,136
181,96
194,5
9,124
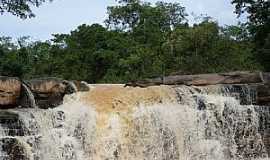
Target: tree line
x,y
141,40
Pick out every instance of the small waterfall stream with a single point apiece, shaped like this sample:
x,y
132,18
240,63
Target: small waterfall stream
x,y
113,122
30,99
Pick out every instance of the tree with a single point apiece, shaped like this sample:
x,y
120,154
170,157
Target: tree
x,y
20,8
134,13
259,26
206,47
258,10
142,40
150,26
258,15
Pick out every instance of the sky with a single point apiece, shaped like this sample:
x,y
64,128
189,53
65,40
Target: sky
x,y
62,16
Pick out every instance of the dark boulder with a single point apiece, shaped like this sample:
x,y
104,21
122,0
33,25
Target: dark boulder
x,y
49,92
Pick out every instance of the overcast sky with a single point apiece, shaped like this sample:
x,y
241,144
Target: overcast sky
x,y
62,16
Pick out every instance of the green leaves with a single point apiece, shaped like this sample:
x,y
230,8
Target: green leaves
x,y
141,40
135,14
20,8
259,26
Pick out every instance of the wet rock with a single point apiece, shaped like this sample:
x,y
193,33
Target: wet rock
x,y
46,85
81,86
245,93
49,92
263,94
41,92
12,149
266,77
11,125
10,89
70,87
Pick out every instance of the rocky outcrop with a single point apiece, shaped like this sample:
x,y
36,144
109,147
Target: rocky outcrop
x,y
49,92
206,79
10,89
41,93
259,82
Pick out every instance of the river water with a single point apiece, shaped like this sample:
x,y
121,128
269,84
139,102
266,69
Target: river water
x,y
113,122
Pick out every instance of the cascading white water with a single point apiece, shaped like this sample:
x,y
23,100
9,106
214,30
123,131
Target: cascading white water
x,y
111,122
29,96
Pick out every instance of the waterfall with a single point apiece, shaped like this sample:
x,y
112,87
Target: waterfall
x,y
113,122
29,99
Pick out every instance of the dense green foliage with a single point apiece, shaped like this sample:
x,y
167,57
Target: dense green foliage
x,y
140,40
20,8
259,26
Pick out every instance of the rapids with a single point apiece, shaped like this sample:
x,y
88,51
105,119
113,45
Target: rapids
x,y
113,122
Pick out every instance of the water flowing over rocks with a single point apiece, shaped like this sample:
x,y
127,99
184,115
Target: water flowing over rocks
x,y
215,121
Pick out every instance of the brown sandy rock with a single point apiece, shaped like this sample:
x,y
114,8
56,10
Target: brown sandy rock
x,y
10,88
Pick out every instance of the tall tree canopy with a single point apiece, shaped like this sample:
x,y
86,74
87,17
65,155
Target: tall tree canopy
x,y
132,14
259,25
20,8
141,40
258,10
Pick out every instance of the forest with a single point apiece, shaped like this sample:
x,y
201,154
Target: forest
x,y
141,40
